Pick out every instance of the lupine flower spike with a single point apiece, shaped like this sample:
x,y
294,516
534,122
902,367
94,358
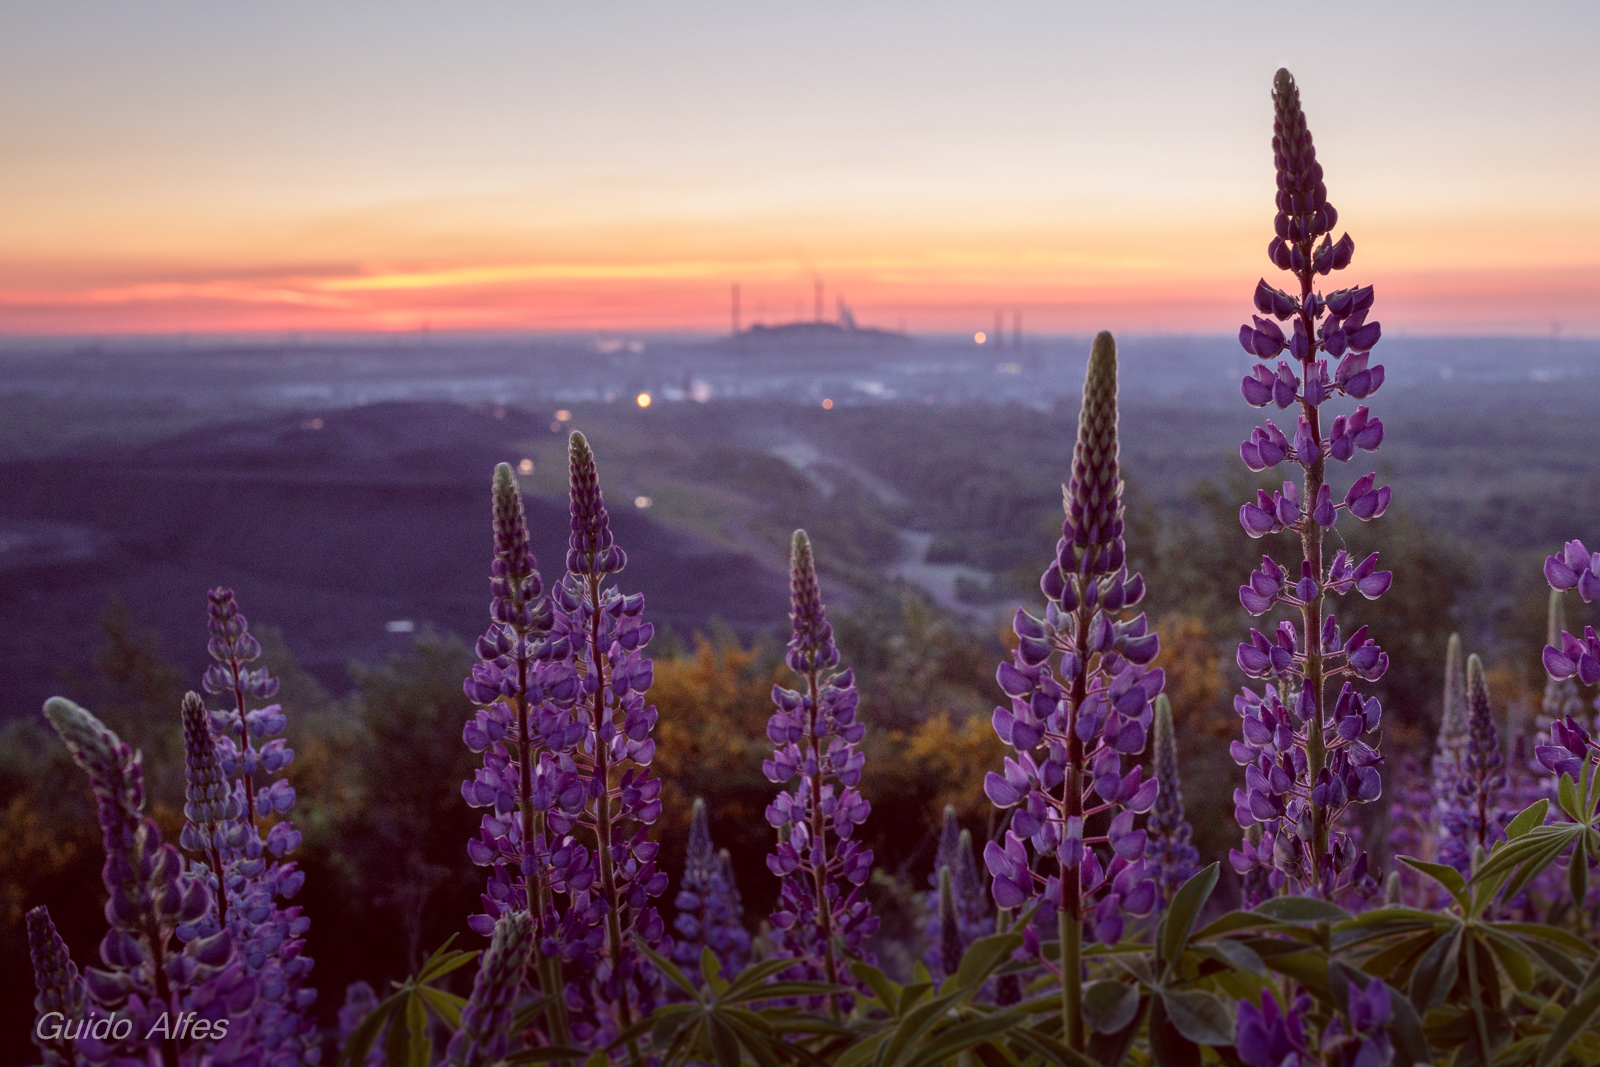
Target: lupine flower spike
x,y
1304,756
1474,819
710,914
260,874
595,783
1080,707
814,732
970,901
147,975
525,687
1171,851
60,987
485,1032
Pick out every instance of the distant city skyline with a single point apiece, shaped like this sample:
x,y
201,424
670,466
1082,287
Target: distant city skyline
x,y
180,167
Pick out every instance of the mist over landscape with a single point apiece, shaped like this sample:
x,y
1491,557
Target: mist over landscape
x,y
337,482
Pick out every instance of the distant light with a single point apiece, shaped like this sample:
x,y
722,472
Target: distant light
x,y
1009,368
563,415
643,400
642,501
525,467
400,626
311,424
979,337
555,427
827,405
700,392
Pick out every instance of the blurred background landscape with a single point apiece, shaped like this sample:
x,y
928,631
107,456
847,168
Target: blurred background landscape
x,y
279,286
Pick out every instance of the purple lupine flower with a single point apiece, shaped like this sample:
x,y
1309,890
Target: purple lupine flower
x,y
360,1001
526,685
484,1036
212,832
147,977
950,941
61,991
1474,819
1359,1037
814,733
710,913
1268,1036
1171,851
259,875
970,902
1080,692
1575,567
1561,695
1451,740
1305,761
592,782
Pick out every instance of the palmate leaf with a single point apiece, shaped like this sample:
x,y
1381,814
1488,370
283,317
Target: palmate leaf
x,y
1579,1016
1446,876
1109,1005
406,1012
1199,1016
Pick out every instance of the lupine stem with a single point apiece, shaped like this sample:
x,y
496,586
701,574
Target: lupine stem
x,y
818,828
1070,916
602,821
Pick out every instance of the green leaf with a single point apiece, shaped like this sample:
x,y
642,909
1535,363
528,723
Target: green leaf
x,y
1109,1005
917,1022
751,978
1405,1029
1237,954
1578,1017
1182,913
963,1037
361,1038
671,970
884,988
984,956
1567,797
1531,816
670,1020
1578,870
447,1006
1435,973
1445,875
1552,846
1199,1016
1168,1047
441,956
1049,1049
548,1054
724,1043
1300,911
711,970
1110,1050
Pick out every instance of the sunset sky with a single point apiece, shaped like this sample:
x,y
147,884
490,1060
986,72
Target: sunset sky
x,y
176,167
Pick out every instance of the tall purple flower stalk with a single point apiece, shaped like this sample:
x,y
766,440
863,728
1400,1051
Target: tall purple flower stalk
x,y
1305,758
1171,849
1561,696
605,770
1474,818
258,875
61,991
527,686
814,733
484,1036
148,976
1080,707
710,913
956,925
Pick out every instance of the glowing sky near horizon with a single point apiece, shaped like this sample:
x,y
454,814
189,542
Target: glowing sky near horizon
x,y
310,166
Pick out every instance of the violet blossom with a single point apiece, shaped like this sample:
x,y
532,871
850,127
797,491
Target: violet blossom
x,y
1474,819
1080,709
1268,1036
484,1036
147,974
969,917
1171,850
60,987
1305,757
710,913
257,872
814,732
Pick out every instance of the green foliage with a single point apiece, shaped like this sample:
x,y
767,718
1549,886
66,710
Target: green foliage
x,y
406,1015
